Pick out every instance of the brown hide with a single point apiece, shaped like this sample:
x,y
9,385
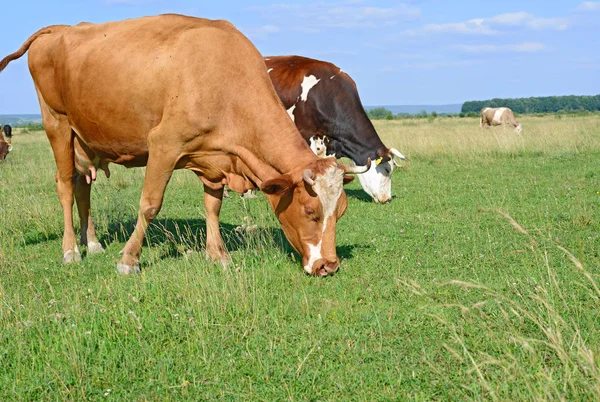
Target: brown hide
x,y
3,147
174,92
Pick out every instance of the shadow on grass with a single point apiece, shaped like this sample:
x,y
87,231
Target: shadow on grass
x,y
180,235
175,237
362,196
359,195
346,252
36,237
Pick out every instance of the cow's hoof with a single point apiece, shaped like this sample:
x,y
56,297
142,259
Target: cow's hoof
x,y
128,269
71,256
224,258
94,247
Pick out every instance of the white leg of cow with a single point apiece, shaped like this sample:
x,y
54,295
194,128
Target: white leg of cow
x,y
88,231
59,134
215,249
160,166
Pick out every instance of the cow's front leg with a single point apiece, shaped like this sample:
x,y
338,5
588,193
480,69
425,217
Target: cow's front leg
x,y
161,163
215,249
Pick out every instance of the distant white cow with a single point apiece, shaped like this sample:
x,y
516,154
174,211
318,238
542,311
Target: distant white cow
x,y
498,116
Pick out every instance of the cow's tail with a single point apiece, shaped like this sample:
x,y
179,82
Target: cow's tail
x,y
25,47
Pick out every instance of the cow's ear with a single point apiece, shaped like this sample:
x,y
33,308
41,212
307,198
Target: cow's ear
x,y
348,179
277,186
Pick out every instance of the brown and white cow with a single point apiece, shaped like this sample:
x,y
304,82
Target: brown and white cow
x,y
171,92
323,101
498,116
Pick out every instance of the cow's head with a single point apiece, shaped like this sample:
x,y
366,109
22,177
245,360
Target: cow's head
x,y
377,181
318,144
308,202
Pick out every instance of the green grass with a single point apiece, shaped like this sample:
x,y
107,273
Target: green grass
x,y
478,282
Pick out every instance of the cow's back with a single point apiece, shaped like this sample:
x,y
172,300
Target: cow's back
x,y
116,81
288,72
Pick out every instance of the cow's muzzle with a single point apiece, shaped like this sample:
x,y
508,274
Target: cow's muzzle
x,y
325,267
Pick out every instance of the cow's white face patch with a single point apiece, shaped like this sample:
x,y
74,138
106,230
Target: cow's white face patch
x,y
269,70
317,145
314,253
498,114
291,112
377,181
328,187
307,84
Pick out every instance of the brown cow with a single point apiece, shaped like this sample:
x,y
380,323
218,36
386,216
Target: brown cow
x,y
171,92
498,116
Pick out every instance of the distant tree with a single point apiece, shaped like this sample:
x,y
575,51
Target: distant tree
x,y
547,104
379,113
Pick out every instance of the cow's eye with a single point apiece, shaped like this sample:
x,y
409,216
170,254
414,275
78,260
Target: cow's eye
x,y
309,211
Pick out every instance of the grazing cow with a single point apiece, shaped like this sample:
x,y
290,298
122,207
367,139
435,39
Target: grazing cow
x,y
322,100
171,92
497,116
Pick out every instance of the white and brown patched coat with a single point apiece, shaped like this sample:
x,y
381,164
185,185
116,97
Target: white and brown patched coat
x,y
498,116
323,102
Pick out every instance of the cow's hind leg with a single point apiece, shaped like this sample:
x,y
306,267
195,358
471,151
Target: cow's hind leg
x,y
215,249
88,231
59,133
160,166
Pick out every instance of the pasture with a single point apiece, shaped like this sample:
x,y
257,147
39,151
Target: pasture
x,y
479,281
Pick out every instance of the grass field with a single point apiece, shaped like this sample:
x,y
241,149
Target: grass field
x,y
479,281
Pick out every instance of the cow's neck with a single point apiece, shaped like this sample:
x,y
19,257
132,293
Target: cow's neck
x,y
357,141
277,152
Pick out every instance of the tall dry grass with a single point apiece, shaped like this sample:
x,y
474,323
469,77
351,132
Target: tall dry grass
x,y
464,137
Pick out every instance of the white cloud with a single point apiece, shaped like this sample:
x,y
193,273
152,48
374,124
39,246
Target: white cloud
x,y
430,65
493,25
589,6
475,26
525,47
261,32
314,17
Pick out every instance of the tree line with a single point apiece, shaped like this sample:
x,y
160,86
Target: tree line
x,y
545,104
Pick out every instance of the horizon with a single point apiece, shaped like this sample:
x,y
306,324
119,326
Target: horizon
x,y
408,53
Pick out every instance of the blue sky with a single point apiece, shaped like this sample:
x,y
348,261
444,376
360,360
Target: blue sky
x,y
398,52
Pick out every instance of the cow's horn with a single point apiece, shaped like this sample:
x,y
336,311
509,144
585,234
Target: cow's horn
x,y
9,147
307,176
397,153
357,169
